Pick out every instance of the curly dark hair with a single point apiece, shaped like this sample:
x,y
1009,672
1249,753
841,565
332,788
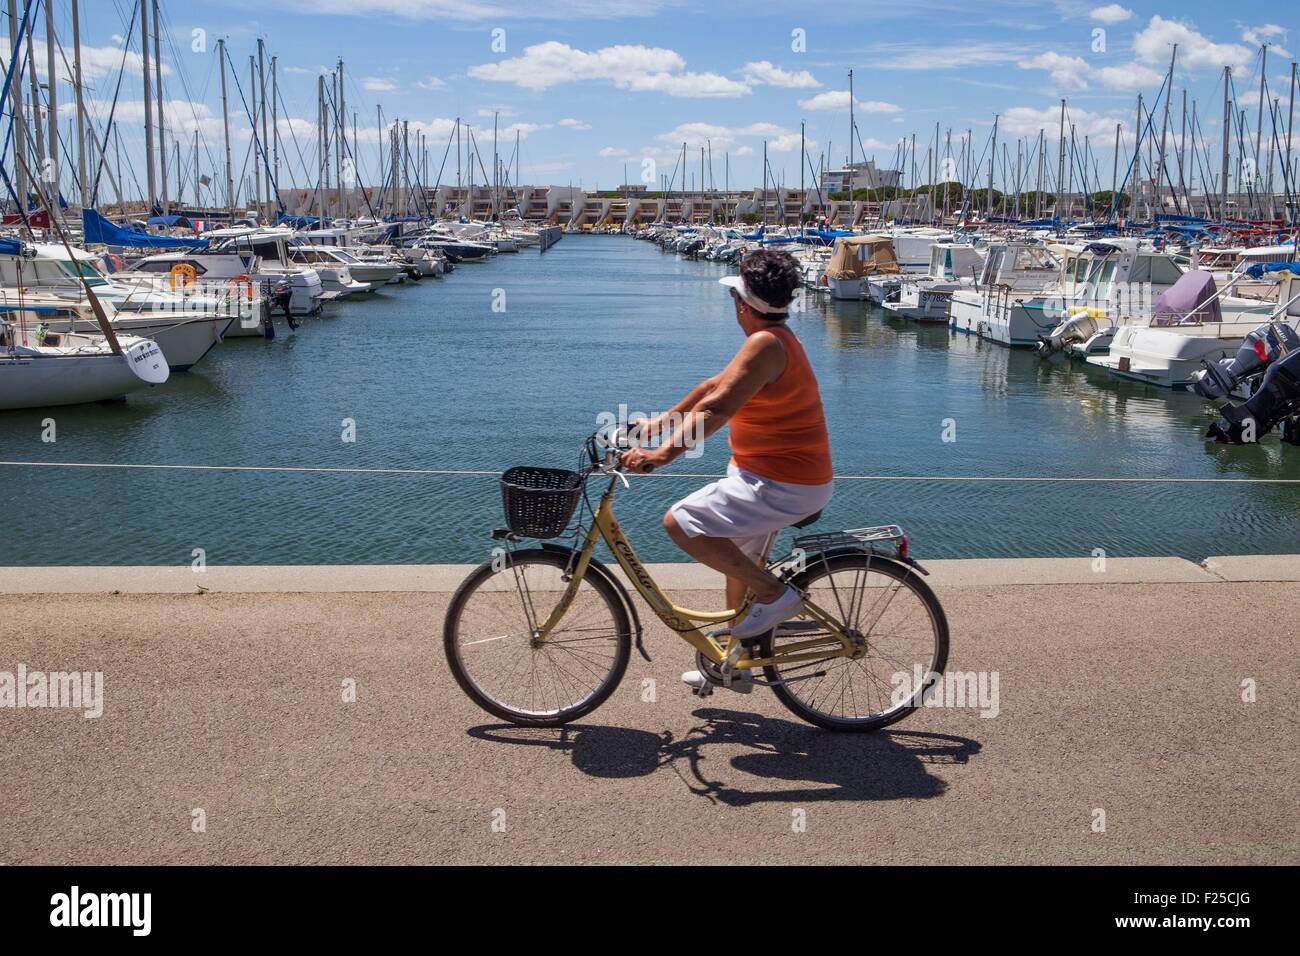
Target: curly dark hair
x,y
772,276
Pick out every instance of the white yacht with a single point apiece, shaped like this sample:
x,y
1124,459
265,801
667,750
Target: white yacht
x,y
1192,323
1026,290
927,298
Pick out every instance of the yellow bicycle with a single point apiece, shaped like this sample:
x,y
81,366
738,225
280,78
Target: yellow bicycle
x,y
540,636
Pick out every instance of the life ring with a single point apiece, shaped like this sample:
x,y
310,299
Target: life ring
x,y
248,285
183,275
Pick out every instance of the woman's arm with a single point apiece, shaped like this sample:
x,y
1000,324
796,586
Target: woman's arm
x,y
650,428
761,360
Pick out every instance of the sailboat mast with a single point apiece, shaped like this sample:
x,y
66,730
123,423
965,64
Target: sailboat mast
x,y
20,125
81,106
988,213
51,75
225,124
162,120
1227,127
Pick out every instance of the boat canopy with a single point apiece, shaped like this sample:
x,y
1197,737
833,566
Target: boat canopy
x,y
1189,301
10,247
97,229
1257,270
170,221
858,256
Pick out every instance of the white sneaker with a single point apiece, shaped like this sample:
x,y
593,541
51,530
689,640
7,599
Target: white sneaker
x,y
741,683
763,617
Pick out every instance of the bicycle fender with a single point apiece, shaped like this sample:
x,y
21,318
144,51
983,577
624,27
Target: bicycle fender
x,y
594,566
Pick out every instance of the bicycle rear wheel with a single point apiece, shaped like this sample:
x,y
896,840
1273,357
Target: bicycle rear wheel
x,y
489,631
906,635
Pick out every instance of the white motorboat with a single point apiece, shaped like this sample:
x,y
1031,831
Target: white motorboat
x,y
1027,290
1191,324
336,274
927,298
854,259
261,255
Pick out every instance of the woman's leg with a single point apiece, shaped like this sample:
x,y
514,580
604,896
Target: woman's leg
x,y
722,554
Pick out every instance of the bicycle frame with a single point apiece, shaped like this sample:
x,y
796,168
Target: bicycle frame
x,y
836,643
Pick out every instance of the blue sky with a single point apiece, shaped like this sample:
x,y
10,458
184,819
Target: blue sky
x,y
594,84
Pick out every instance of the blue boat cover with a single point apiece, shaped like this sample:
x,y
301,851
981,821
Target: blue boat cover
x,y
170,221
297,222
10,247
99,230
1259,268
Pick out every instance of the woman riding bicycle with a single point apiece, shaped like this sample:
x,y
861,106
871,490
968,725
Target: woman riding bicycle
x,y
780,469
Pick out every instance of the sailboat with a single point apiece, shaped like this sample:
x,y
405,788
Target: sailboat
x,y
39,368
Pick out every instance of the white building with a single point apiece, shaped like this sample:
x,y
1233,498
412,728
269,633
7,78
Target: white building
x,y
864,175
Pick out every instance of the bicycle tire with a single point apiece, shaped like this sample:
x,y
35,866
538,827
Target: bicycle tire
x,y
518,560
908,578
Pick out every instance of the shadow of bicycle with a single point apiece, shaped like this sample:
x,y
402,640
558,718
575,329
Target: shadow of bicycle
x,y
779,760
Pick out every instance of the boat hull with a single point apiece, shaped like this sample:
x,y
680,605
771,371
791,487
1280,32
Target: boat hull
x,y
42,381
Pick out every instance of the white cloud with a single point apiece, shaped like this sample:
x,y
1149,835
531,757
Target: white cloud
x,y
629,67
378,84
695,135
430,83
297,69
934,56
764,72
574,124
745,151
1268,33
1028,120
97,62
1153,44
1068,72
613,152
1132,76
1111,13
839,100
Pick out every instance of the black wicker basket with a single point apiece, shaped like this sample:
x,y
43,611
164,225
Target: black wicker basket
x,y
539,502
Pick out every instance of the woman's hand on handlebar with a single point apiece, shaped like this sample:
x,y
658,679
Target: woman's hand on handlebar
x,y
642,461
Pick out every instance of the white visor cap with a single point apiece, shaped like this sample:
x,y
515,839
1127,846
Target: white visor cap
x,y
754,302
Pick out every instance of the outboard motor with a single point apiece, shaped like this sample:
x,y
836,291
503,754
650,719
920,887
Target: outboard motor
x,y
1082,325
281,297
1276,401
1261,347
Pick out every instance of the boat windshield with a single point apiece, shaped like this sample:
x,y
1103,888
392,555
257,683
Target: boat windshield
x,y
84,270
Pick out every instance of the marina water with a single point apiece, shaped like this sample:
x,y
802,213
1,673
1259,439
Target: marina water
x,y
434,378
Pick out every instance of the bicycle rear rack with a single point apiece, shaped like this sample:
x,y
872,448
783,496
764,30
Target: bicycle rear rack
x,y
886,541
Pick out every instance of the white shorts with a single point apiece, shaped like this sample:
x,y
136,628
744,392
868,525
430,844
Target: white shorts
x,y
747,508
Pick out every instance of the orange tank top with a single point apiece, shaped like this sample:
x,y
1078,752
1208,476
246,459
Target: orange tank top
x,y
780,433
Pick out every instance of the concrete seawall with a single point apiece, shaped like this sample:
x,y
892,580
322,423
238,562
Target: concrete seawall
x,y
440,578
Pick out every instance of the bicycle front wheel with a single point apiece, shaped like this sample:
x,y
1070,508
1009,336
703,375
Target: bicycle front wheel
x,y
490,639
905,636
